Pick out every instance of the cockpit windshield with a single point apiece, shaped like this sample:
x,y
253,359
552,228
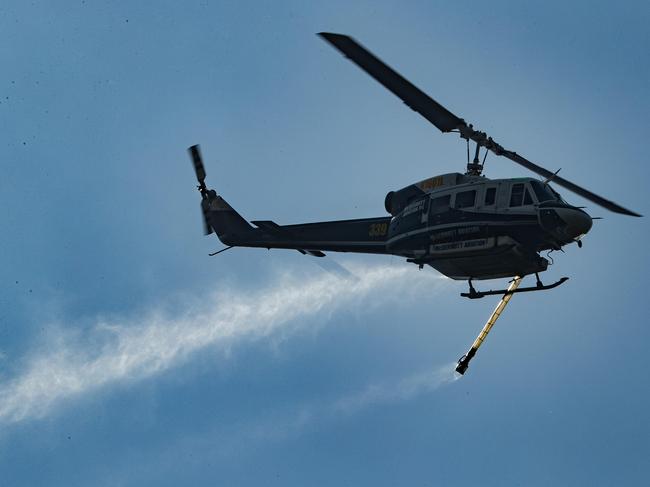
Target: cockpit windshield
x,y
544,192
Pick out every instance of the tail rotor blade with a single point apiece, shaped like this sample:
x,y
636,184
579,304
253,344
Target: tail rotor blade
x,y
197,160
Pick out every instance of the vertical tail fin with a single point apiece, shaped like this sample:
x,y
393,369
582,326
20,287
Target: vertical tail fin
x,y
229,225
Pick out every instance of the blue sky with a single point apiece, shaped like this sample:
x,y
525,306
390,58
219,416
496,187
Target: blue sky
x,y
130,357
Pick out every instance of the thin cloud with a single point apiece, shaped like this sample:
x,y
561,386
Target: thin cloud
x,y
133,349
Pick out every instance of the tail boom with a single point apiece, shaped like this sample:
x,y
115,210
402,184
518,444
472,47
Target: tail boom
x,y
367,235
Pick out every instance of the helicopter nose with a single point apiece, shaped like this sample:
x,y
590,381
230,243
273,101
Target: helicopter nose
x,y
577,222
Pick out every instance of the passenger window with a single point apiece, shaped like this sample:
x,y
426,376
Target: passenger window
x,y
490,196
440,204
465,199
528,199
517,194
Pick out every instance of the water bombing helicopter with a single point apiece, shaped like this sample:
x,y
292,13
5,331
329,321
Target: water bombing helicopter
x,y
464,225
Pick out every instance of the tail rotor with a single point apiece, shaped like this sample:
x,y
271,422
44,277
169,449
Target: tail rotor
x,y
199,169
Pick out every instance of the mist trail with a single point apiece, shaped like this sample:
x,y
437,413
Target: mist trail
x,y
137,347
319,415
404,389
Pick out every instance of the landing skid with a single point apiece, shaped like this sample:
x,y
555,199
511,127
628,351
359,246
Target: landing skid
x,y
474,294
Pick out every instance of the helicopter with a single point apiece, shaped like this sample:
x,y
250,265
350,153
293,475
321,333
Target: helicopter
x,y
464,225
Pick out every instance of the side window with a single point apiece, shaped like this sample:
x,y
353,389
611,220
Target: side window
x,y
465,199
528,199
490,196
440,204
517,194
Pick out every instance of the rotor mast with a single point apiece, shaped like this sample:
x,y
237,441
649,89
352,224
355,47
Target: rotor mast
x,y
474,168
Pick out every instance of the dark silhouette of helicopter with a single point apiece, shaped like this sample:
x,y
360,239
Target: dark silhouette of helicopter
x,y
466,226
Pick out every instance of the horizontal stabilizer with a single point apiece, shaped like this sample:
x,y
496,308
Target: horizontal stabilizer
x,y
277,231
270,227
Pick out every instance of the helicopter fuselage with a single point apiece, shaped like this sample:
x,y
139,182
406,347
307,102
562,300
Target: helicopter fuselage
x,y
466,227
479,228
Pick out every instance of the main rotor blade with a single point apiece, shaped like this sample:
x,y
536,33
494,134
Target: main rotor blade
x,y
483,140
198,163
410,94
585,193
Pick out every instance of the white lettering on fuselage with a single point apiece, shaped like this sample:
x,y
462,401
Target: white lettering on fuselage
x,y
413,208
467,244
452,234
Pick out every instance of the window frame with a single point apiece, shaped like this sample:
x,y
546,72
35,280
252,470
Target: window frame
x,y
528,193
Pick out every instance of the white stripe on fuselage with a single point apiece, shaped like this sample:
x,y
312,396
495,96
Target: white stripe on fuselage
x,y
453,225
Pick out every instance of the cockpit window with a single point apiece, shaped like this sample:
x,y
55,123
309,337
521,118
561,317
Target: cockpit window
x,y
557,195
520,195
542,191
465,199
517,194
528,199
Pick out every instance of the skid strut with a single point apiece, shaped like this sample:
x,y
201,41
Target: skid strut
x,y
463,363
